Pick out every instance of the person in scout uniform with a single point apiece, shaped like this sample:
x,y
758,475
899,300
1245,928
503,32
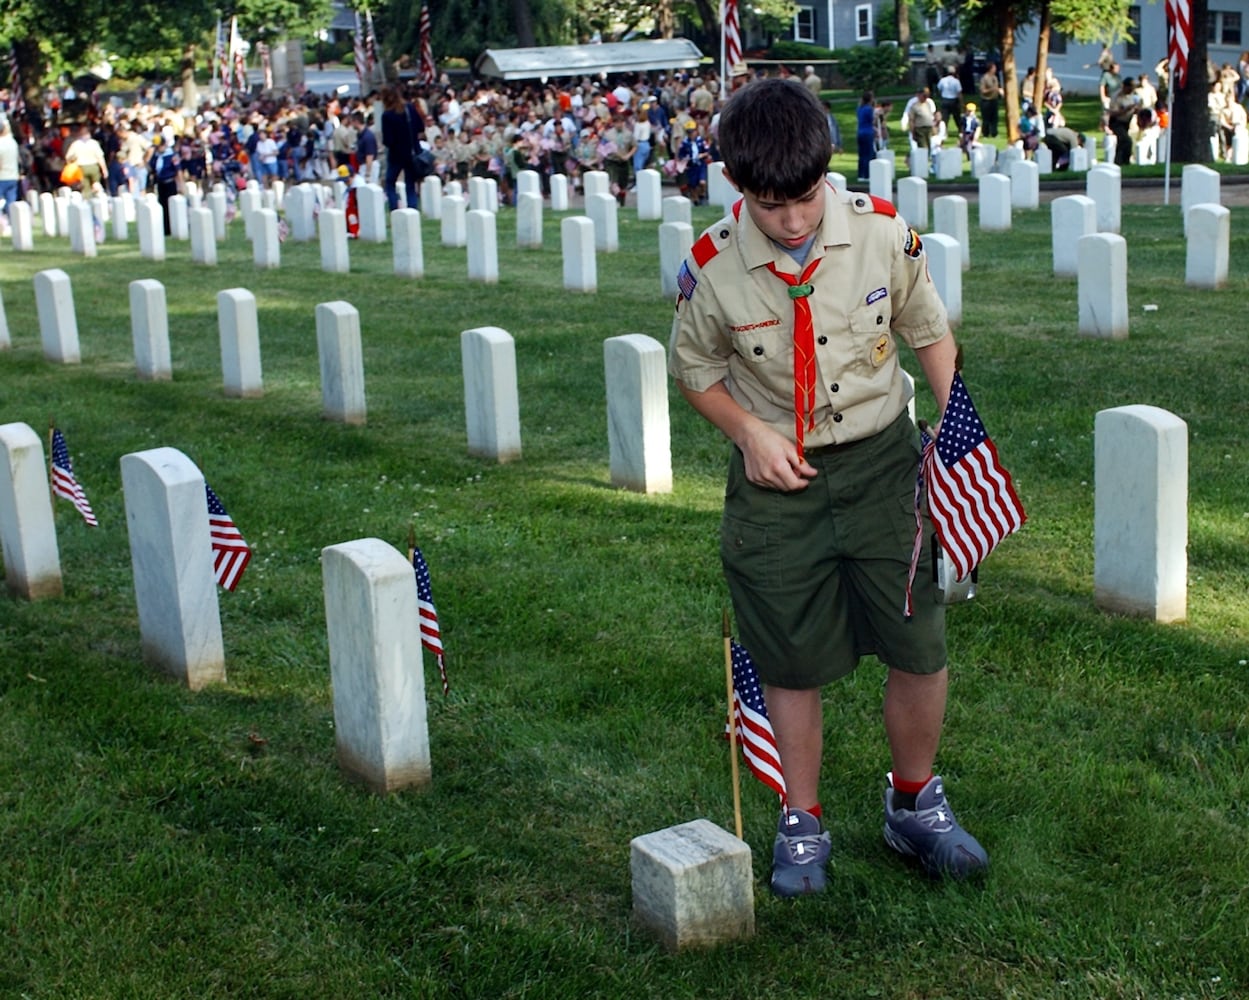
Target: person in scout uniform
x,y
789,320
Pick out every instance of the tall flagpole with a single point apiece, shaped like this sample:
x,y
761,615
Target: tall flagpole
x,y
1166,188
724,82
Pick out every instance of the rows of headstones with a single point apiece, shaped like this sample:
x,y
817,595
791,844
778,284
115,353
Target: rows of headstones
x,y
465,219
691,883
951,162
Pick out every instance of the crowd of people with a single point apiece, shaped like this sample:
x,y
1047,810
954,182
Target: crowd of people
x,y
455,131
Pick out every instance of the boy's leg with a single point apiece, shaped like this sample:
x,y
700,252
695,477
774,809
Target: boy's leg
x,y
914,714
801,848
919,822
798,721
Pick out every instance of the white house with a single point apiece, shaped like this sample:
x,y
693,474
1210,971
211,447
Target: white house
x,y
835,24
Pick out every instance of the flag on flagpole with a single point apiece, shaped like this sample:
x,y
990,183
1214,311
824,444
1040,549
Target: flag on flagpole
x,y
63,482
237,58
1179,40
230,552
216,56
361,55
266,64
431,634
222,69
754,730
732,47
370,41
428,71
17,99
971,498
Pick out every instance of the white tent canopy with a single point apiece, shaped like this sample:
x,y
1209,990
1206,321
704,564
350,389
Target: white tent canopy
x,y
587,60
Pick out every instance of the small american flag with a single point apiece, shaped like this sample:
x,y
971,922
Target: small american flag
x,y
431,635
63,482
971,498
754,731
230,552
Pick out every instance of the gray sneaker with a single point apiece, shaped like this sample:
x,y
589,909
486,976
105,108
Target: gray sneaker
x,y
930,833
799,855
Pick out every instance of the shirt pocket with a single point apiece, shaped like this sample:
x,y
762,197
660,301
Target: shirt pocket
x,y
763,342
873,338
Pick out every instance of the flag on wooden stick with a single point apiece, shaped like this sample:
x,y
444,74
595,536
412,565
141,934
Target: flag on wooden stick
x,y
431,633
971,498
63,482
231,553
754,729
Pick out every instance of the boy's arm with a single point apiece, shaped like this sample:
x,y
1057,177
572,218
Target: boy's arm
x,y
938,360
771,459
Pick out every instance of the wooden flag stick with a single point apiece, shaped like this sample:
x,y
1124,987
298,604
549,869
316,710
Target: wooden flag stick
x,y
728,684
411,540
51,473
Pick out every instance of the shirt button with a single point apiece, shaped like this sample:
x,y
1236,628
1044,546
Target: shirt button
x,y
879,320
823,340
737,542
834,387
759,351
836,418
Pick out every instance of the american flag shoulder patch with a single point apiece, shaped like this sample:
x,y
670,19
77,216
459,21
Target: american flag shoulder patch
x,y
686,282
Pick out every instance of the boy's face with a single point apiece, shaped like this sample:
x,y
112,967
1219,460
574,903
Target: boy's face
x,y
788,221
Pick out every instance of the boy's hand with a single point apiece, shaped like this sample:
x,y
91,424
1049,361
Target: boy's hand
x,y
772,461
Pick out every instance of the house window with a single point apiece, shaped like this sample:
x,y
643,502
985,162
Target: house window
x,y
804,25
1132,49
1058,43
1223,27
1231,27
863,23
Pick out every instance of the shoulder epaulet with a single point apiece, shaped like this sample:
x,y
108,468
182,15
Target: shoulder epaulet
x,y
711,243
865,204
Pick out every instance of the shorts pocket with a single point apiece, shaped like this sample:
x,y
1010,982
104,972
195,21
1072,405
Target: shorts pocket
x,y
746,554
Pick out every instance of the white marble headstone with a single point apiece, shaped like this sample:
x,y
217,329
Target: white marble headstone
x,y
949,216
1140,512
341,357
1102,285
409,250
483,247
332,228
491,398
172,560
638,430
376,669
32,563
58,322
577,247
149,327
239,330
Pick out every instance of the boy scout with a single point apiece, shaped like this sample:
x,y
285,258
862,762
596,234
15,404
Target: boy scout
x,y
786,339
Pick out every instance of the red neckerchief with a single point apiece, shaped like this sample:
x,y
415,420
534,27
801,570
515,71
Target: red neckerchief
x,y
804,349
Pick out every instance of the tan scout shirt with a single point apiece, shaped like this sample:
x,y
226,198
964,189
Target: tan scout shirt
x,y
734,318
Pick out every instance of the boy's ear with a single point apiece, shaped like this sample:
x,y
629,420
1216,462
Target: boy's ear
x,y
729,177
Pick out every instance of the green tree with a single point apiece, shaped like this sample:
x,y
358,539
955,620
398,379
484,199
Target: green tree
x,y
989,22
145,34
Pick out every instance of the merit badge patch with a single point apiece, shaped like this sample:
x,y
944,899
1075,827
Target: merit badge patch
x,y
912,246
880,350
686,282
877,295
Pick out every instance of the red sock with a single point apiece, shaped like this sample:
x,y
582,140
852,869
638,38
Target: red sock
x,y
910,787
816,810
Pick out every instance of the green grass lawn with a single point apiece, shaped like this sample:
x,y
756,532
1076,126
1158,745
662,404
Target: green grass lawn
x,y
158,843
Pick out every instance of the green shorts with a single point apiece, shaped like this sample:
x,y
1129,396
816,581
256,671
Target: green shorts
x,y
818,577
